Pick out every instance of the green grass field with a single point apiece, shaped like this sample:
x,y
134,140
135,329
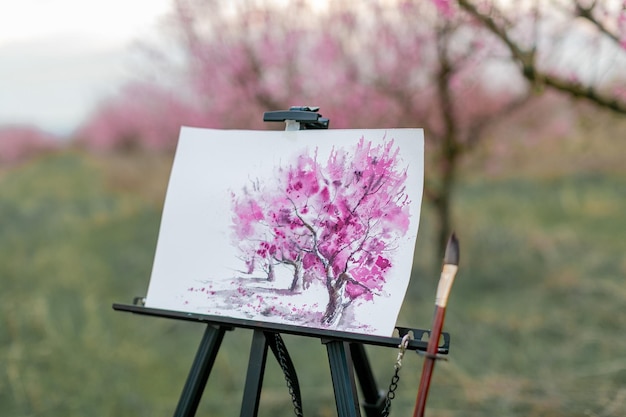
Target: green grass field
x,y
536,315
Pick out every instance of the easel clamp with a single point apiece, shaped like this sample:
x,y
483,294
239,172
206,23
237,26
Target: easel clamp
x,y
306,116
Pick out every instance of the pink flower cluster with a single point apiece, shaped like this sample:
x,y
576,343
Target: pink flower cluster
x,y
336,220
18,143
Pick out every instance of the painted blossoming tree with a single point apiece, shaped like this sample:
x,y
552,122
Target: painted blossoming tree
x,y
335,221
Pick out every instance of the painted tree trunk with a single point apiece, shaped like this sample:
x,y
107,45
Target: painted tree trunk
x,y
297,282
336,301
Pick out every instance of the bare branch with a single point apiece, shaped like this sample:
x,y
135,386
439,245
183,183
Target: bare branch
x,y
524,57
476,129
532,73
587,14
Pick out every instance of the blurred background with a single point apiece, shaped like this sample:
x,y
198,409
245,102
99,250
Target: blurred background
x,y
523,106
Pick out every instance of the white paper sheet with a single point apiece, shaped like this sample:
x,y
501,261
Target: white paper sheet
x,y
312,228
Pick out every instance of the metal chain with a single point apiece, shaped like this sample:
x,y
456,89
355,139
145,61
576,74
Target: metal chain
x,y
280,349
393,386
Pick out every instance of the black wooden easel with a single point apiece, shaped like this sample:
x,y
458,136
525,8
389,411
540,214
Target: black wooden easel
x,y
346,351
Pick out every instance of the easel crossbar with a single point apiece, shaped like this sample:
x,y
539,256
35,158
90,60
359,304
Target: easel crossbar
x,y
415,344
345,353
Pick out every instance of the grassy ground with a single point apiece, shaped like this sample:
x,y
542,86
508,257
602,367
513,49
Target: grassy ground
x,y
536,315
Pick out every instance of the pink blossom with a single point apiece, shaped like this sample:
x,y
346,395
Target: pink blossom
x,y
141,116
444,7
18,143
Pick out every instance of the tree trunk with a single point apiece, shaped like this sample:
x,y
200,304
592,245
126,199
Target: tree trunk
x,y
441,199
443,220
270,272
297,277
336,301
451,148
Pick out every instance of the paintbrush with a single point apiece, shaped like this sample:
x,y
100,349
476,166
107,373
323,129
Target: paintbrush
x,y
450,267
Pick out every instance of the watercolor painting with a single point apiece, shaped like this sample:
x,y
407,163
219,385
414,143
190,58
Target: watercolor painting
x,y
310,228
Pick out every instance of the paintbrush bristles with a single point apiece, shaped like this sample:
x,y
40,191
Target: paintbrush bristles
x,y
452,254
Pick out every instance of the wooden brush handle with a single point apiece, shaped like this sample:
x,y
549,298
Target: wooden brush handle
x,y
429,361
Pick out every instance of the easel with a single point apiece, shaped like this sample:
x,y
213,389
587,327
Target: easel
x,y
346,351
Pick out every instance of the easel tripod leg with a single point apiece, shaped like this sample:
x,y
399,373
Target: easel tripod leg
x,y
341,371
254,377
373,398
200,370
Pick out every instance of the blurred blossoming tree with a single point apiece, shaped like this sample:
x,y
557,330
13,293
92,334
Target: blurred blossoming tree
x,y
455,68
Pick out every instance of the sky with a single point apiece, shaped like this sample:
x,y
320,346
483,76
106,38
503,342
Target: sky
x,y
59,58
